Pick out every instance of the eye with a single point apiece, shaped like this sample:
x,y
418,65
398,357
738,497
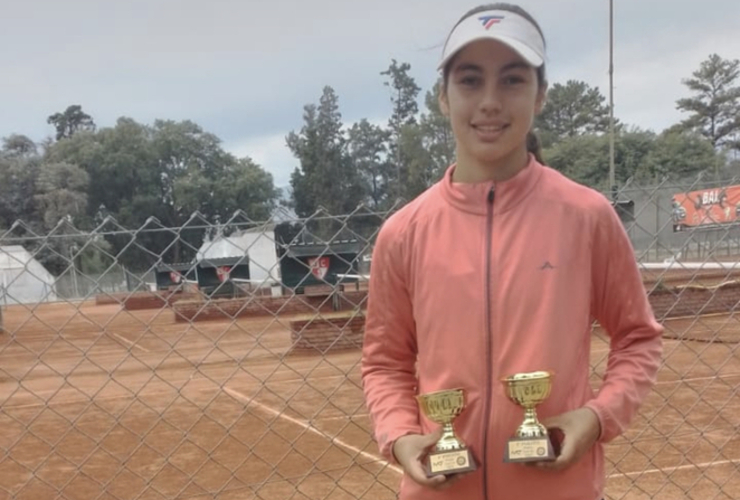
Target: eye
x,y
469,80
513,80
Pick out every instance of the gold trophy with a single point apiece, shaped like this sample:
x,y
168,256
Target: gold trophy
x,y
450,455
531,442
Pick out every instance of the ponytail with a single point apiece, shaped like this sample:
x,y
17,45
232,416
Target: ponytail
x,y
534,146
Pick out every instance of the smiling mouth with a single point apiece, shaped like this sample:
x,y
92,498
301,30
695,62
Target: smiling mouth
x,y
490,130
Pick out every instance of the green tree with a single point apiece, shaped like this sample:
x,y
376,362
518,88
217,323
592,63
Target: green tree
x,y
121,165
17,189
61,191
404,94
70,121
427,147
41,194
585,158
184,153
19,164
166,171
678,155
714,107
325,177
438,138
570,110
196,175
420,168
19,145
241,185
368,151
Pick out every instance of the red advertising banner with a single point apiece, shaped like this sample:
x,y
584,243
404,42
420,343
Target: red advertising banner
x,y
706,208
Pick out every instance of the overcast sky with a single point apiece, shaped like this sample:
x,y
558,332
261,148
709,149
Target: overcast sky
x,y
244,69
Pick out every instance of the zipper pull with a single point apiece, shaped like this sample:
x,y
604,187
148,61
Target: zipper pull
x,y
491,194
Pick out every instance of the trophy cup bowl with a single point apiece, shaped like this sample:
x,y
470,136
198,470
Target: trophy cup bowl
x,y
531,441
450,455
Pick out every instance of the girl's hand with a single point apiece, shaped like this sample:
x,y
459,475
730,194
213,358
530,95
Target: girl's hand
x,y
411,450
580,429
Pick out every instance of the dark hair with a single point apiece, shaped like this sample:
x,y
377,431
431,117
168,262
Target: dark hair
x,y
534,146
533,142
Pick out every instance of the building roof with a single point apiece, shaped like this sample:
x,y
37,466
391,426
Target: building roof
x,y
340,247
225,261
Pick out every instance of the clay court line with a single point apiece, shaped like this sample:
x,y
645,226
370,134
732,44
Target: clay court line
x,y
697,379
70,402
312,379
132,344
677,468
306,425
708,315
345,417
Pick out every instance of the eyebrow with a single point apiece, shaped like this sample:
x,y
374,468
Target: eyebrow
x,y
515,65
507,67
468,67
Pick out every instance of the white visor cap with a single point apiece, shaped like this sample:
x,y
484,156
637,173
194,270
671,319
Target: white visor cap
x,y
507,27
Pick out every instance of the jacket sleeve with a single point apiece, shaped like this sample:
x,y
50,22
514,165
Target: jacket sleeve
x,y
620,304
389,346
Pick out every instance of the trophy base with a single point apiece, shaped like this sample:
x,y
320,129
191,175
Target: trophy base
x,y
450,462
522,450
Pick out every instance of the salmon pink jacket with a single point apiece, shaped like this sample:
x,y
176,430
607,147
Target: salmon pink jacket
x,y
473,282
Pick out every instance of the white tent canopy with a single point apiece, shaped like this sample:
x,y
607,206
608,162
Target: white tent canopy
x,y
258,244
23,280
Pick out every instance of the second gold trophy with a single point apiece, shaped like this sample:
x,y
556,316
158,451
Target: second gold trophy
x,y
531,441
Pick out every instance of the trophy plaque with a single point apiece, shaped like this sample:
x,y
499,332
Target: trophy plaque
x,y
450,455
531,442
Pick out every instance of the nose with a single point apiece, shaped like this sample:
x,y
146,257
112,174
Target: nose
x,y
491,100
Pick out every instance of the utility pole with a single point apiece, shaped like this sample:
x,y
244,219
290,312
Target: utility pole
x,y
612,177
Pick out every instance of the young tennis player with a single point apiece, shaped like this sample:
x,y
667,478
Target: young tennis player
x,y
500,268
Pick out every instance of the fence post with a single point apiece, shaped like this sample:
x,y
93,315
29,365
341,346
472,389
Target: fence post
x,y
4,301
657,228
128,279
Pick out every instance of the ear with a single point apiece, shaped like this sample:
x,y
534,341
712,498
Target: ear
x,y
444,105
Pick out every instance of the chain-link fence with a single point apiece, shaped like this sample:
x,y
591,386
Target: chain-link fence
x,y
223,361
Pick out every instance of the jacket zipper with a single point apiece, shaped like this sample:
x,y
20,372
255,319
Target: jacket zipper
x,y
489,335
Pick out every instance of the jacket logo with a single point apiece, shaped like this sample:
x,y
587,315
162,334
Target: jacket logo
x,y
546,265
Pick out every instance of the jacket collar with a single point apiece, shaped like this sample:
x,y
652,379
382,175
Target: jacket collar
x,y
472,197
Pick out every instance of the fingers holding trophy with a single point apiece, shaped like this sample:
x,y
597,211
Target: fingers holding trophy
x,y
449,455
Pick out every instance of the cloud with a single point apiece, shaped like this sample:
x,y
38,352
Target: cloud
x,y
272,154
268,151
653,52
244,70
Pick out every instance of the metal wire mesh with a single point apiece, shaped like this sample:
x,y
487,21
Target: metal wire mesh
x,y
222,361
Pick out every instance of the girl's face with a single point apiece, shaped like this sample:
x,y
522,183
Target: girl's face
x,y
491,98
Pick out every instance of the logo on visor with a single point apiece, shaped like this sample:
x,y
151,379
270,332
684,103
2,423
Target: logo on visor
x,y
489,21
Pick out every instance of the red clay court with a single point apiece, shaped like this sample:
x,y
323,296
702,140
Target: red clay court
x,y
102,403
